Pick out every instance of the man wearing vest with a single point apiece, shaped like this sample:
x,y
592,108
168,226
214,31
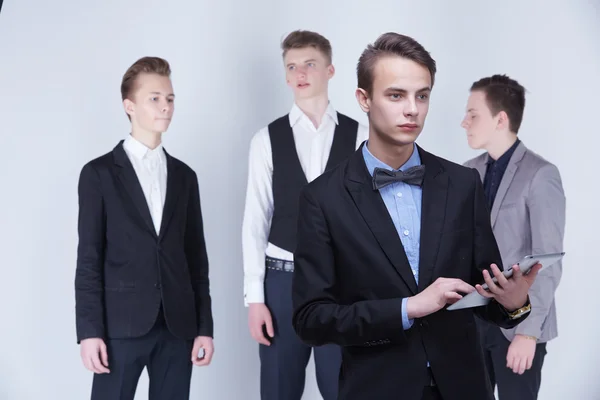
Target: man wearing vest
x,y
284,156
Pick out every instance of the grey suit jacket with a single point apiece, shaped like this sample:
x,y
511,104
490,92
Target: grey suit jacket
x,y
528,217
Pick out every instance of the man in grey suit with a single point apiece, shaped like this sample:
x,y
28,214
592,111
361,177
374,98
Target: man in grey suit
x,y
525,195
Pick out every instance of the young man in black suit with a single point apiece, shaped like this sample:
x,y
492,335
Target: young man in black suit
x,y
141,285
390,237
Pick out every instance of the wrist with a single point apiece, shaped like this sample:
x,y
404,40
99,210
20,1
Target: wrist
x,y
519,312
412,308
520,303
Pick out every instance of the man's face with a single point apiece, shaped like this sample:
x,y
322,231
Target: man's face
x,y
399,101
152,103
478,121
307,72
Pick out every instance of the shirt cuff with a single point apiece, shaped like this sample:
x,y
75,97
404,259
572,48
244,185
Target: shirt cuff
x,y
406,323
255,293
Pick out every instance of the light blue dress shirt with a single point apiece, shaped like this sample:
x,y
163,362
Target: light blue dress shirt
x,y
403,202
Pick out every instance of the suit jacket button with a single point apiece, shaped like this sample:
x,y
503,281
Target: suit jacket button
x,y
157,285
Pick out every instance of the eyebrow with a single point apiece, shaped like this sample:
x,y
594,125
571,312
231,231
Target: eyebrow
x,y
399,90
306,61
159,93
471,110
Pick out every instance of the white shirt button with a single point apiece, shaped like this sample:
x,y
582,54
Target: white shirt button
x,y
399,194
406,232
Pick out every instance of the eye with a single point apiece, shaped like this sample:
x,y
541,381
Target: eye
x,y
154,99
395,96
423,96
311,64
291,67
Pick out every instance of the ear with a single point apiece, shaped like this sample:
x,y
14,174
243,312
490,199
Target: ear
x,y
129,107
330,71
363,99
503,122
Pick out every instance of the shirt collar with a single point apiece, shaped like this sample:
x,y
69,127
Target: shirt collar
x,y
504,158
372,162
140,151
296,113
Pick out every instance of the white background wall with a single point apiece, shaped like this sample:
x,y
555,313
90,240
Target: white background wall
x,y
61,63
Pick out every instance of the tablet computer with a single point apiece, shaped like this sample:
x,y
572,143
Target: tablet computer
x,y
474,299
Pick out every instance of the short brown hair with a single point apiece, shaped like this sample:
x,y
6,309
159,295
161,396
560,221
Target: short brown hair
x,y
148,65
391,44
300,39
503,94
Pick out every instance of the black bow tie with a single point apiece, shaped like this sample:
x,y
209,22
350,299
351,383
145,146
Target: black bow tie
x,y
383,177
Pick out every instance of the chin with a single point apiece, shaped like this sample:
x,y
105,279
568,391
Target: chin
x,y
161,127
403,138
474,144
307,93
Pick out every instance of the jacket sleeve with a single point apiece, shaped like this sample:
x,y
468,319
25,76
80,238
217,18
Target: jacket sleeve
x,y
197,258
89,284
318,316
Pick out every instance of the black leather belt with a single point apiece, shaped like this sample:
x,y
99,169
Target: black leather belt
x,y
279,265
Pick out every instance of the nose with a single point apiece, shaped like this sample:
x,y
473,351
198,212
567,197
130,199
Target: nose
x,y
301,71
464,124
166,107
411,109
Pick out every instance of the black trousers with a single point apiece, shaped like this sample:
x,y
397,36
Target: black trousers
x,y
283,363
511,386
167,358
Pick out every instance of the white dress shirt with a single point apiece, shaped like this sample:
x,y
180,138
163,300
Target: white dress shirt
x,y
313,146
151,169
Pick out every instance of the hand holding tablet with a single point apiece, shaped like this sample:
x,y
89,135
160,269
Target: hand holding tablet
x,y
475,299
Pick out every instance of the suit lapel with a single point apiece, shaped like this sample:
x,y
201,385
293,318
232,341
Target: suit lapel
x,y
507,179
174,185
433,211
131,183
480,166
373,210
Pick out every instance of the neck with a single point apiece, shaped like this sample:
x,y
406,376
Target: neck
x,y
390,154
314,107
501,146
149,139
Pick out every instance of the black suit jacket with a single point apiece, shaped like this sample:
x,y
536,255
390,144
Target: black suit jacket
x,y
351,274
124,269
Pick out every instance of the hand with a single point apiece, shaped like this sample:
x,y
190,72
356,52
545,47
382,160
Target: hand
x,y
94,355
441,292
520,354
510,293
205,343
258,316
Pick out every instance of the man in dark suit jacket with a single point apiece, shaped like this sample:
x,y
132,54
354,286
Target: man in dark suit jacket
x,y
141,285
390,237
